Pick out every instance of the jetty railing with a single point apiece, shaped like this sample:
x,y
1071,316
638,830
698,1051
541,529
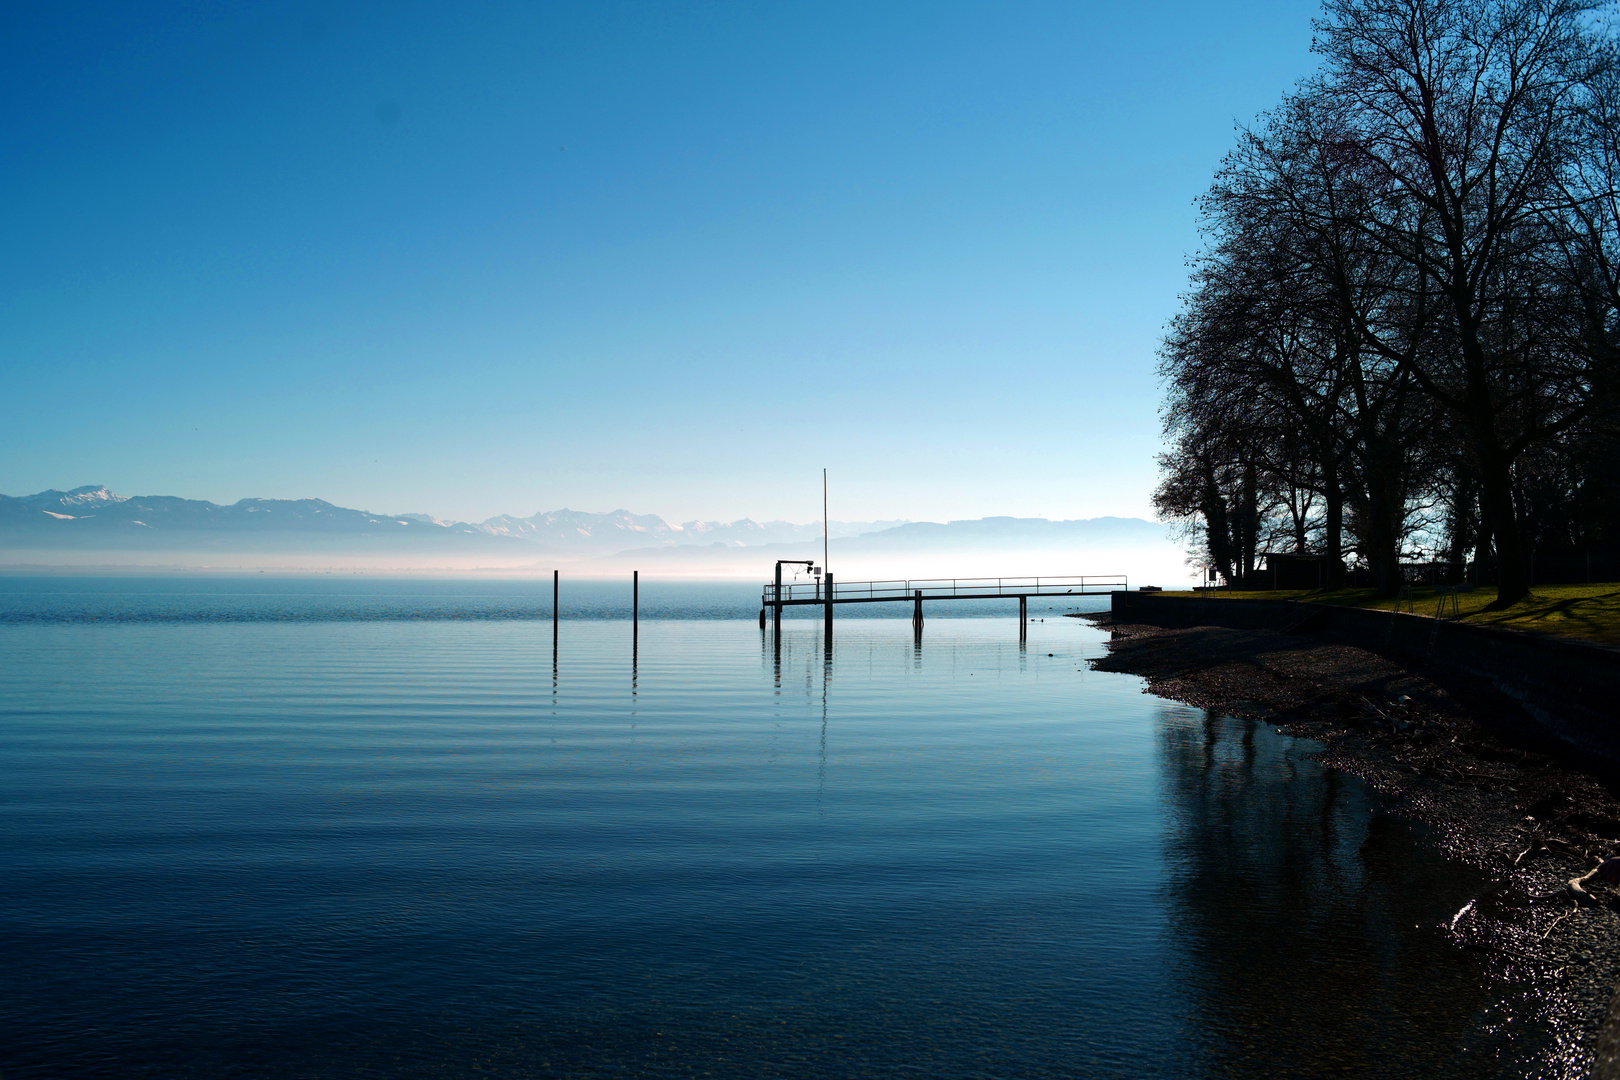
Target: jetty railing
x,y
844,592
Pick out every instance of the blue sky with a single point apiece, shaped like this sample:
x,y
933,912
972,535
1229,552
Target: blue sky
x,y
471,259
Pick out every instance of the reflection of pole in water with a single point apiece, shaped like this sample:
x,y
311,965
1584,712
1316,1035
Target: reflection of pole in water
x,y
776,649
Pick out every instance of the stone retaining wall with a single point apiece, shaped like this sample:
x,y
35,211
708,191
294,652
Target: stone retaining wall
x,y
1571,688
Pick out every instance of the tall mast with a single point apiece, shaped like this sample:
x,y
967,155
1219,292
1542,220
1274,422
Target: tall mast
x,y
823,521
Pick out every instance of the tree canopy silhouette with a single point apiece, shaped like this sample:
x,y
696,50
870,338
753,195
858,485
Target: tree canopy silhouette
x,y
1405,323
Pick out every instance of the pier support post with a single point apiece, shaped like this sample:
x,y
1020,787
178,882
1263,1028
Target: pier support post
x,y
776,605
1023,617
827,603
916,612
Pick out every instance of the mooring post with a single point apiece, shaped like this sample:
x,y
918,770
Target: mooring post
x,y
556,575
776,605
828,604
916,611
635,608
1023,616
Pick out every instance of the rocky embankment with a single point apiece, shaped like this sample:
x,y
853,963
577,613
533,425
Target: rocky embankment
x,y
1461,758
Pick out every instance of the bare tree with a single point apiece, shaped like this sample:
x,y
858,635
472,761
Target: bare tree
x,y
1463,115
1411,291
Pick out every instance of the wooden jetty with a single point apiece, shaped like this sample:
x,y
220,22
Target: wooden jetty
x,y
826,593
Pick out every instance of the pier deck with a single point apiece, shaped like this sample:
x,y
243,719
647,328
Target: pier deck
x,y
989,588
779,594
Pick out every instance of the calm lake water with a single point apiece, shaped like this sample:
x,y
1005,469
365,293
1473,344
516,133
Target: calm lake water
x,y
350,828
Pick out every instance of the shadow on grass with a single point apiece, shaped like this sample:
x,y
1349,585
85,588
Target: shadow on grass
x,y
1590,612
1595,615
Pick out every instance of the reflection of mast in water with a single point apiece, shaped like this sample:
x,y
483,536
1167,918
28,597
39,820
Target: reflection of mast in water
x,y
556,620
821,766
809,681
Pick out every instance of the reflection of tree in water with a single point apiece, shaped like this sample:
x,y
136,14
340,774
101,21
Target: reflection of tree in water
x,y
1306,921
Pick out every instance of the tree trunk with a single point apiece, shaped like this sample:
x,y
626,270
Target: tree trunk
x,y
1482,541
1250,521
1217,532
1333,534
1461,527
1383,544
1495,467
1496,483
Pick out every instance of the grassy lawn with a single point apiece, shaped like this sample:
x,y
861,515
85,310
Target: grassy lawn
x,y
1581,611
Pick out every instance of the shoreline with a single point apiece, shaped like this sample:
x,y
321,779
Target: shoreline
x,y
1459,757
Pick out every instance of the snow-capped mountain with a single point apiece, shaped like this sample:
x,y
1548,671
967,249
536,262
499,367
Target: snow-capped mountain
x,y
575,529
93,516
80,498
73,527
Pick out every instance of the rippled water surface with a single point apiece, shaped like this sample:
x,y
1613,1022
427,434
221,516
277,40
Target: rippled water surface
x,y
340,832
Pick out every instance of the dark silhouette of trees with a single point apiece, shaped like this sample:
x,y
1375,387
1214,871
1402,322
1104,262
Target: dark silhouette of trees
x,y
1406,319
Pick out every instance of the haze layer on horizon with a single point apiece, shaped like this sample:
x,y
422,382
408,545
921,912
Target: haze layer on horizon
x,y
497,258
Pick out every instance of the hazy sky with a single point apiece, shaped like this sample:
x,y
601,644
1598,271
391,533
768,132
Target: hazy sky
x,y
473,259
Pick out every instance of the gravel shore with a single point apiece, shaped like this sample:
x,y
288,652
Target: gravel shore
x,y
1464,760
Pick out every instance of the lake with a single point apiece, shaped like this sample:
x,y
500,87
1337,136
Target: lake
x,y
343,827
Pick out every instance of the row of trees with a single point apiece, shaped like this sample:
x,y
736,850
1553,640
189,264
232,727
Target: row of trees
x,y
1404,328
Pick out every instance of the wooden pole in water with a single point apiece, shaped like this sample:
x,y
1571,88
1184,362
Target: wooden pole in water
x,y
635,603
776,605
916,611
556,575
1023,616
829,608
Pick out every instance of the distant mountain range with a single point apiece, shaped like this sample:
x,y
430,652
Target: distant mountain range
x,y
69,527
93,516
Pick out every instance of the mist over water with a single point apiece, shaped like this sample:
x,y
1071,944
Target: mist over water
x,y
273,598
298,843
